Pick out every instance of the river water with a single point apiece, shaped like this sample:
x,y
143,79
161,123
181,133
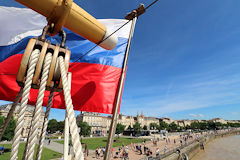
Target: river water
x,y
227,148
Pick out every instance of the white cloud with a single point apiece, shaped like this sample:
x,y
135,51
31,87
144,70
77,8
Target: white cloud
x,y
210,86
193,115
234,113
196,115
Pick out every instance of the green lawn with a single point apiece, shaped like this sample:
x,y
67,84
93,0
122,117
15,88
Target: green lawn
x,y
93,143
46,154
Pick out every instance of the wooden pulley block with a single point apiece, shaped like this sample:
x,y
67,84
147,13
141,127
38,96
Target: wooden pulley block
x,y
54,78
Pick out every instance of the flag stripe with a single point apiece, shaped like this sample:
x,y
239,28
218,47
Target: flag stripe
x,y
78,49
93,86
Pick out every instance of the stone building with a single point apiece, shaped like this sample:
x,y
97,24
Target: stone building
x,y
167,120
101,124
218,120
145,121
4,109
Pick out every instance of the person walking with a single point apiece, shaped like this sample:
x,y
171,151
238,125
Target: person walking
x,y
99,152
165,149
103,151
112,151
144,149
86,150
157,152
96,153
140,149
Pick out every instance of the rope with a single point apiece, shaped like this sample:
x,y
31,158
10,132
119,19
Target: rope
x,y
27,143
151,4
10,113
45,124
69,109
38,108
21,114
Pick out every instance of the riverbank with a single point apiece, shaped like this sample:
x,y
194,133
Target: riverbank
x,y
193,148
226,148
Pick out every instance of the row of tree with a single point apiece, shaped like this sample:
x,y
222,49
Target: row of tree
x,y
9,132
55,126
211,125
85,130
173,127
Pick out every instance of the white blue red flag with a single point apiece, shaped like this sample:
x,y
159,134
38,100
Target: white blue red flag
x,y
95,77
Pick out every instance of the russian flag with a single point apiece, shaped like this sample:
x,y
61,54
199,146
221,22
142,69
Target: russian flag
x,y
95,77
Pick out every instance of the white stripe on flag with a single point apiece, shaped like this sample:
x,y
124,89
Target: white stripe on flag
x,y
18,23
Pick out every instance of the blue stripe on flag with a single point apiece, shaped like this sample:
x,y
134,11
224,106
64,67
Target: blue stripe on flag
x,y
78,47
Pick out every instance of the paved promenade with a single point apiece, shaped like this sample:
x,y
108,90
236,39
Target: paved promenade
x,y
54,146
171,142
152,146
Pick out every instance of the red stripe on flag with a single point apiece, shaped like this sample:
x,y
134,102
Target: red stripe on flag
x,y
94,86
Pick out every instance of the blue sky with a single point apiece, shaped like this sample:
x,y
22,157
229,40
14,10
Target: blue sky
x,y
184,60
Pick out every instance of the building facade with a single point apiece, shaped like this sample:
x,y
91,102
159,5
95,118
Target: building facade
x,y
101,124
4,109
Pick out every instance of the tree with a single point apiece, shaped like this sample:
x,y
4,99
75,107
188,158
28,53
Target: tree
x,y
173,126
137,127
85,129
203,125
52,126
145,127
60,127
218,125
154,126
195,125
119,129
188,127
163,126
9,132
212,125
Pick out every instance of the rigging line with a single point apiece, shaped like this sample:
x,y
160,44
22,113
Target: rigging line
x,y
151,4
109,36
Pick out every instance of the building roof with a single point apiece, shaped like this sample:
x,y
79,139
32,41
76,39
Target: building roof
x,y
7,107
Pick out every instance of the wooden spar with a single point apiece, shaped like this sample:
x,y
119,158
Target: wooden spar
x,y
119,94
66,13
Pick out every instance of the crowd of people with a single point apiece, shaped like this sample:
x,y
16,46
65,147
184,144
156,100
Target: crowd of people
x,y
100,152
153,148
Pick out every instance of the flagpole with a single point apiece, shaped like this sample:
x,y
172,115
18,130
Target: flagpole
x,y
116,109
